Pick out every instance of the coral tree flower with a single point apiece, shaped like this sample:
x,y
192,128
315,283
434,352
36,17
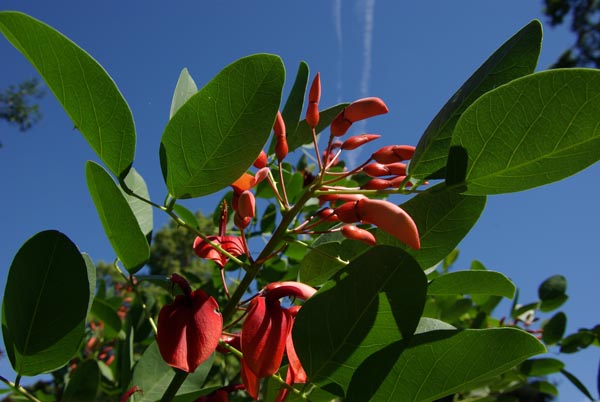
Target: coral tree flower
x,y
188,329
266,335
232,244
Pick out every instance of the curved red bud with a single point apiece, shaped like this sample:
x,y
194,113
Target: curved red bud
x,y
189,330
264,334
312,115
281,148
396,181
358,140
279,125
376,169
261,160
260,175
246,205
347,212
341,197
340,125
328,215
377,184
243,183
232,244
240,221
355,233
391,219
397,168
393,153
365,108
314,96
277,290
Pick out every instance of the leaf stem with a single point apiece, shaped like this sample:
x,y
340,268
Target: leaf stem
x,y
15,385
176,382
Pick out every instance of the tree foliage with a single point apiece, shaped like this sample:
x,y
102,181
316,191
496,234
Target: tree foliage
x,y
18,104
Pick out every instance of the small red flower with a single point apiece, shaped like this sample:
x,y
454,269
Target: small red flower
x,y
232,244
188,329
357,110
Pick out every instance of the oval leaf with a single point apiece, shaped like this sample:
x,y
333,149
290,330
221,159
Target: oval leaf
x,y
472,282
47,274
86,92
541,367
83,385
119,222
372,305
532,131
443,217
184,90
517,57
554,329
218,133
142,210
411,371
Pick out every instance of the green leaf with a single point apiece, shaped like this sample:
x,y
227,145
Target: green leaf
x,y
575,381
104,311
517,57
443,217
153,376
47,274
411,370
141,210
83,88
91,273
187,216
554,328
472,282
267,223
577,341
533,131
350,318
84,383
303,134
119,222
293,106
541,367
552,293
218,133
545,387
184,90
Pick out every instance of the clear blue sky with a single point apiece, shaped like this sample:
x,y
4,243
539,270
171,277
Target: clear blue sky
x,y
414,55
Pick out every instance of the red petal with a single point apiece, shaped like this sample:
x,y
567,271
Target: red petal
x,y
390,218
365,108
250,380
243,183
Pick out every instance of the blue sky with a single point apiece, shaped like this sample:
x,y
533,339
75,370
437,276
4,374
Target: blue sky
x,y
414,55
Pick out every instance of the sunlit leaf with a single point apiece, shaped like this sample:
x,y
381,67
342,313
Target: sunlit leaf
x,y
472,282
142,210
47,274
119,222
184,90
515,58
218,133
84,89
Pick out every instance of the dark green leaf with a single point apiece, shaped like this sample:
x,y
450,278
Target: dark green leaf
x,y
187,216
541,367
119,222
577,341
515,58
472,282
358,314
554,329
545,387
443,218
575,381
153,376
47,274
411,370
84,89
267,223
553,287
184,90
552,304
84,383
104,312
218,133
532,131
141,210
303,134
125,357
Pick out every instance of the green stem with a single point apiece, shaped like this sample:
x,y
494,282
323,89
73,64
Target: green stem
x,y
176,382
15,385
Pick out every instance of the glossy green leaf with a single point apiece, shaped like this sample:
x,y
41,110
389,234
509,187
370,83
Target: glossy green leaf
x,y
411,370
184,90
533,131
540,367
153,376
187,216
369,306
575,381
517,57
84,383
552,293
293,106
84,89
472,282
443,217
119,222
141,210
554,328
47,274
218,133
105,312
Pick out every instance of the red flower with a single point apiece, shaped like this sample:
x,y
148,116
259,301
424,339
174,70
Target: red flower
x,y
188,329
232,244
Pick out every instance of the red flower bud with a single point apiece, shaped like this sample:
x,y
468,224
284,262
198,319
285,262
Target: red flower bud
x,y
281,148
277,290
189,330
377,184
347,212
240,221
391,219
356,233
393,153
261,160
314,95
312,112
246,204
376,169
232,244
358,140
312,115
243,183
279,125
340,125
358,110
328,215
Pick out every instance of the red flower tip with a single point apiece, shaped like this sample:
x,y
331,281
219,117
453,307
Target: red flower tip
x,y
240,221
358,140
243,183
314,95
377,169
281,148
391,219
261,160
189,330
232,244
277,290
377,184
357,110
355,233
393,153
246,204
279,125
312,112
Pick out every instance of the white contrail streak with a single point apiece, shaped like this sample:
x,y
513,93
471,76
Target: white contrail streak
x,y
337,23
367,47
